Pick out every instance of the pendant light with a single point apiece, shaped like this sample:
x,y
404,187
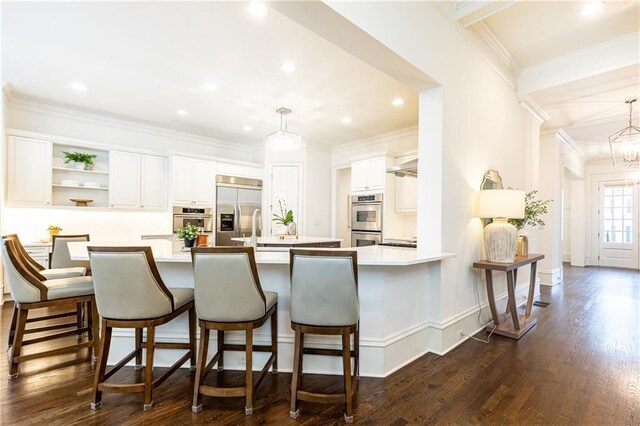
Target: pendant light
x,y
625,144
283,140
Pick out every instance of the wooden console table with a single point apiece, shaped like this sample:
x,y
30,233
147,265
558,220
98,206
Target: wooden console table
x,y
519,324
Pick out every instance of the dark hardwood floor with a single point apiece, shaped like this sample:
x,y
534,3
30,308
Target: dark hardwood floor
x,y
580,365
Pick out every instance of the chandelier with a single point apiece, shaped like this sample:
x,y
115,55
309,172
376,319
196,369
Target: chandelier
x,y
625,144
283,140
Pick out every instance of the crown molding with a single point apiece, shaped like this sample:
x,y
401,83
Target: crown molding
x,y
376,140
28,104
498,48
560,135
470,12
584,63
533,108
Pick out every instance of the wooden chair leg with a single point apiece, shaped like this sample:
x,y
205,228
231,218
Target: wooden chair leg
x,y
138,343
101,368
16,347
301,356
294,412
79,319
274,341
12,327
94,327
148,373
203,349
221,350
346,363
248,409
356,351
192,337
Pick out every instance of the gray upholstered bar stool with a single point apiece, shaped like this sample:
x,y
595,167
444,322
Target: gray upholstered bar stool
x,y
229,296
324,300
131,294
33,291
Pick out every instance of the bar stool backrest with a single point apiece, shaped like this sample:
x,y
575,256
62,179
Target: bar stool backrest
x,y
127,284
60,257
227,287
23,286
324,287
28,261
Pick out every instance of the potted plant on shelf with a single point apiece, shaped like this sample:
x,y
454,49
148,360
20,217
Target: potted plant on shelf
x,y
80,160
533,212
53,230
285,218
188,233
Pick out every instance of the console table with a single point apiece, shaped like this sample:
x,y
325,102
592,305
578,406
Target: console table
x,y
518,325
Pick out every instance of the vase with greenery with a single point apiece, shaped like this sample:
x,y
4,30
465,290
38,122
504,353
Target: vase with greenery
x,y
188,233
53,230
285,218
533,212
81,160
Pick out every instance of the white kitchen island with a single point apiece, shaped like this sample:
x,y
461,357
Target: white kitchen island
x,y
290,241
395,287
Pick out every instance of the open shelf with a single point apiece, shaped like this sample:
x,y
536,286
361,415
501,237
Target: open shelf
x,y
68,169
57,185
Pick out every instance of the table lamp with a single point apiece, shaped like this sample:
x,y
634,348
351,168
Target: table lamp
x,y
500,237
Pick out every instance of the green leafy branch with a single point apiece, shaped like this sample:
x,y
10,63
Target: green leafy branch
x,y
533,211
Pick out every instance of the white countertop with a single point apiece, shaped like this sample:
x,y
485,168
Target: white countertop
x,y
290,240
163,252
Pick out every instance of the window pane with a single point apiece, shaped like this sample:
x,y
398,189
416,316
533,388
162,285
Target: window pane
x,y
617,213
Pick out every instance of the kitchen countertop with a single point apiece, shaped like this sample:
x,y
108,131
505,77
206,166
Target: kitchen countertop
x,y
163,252
289,240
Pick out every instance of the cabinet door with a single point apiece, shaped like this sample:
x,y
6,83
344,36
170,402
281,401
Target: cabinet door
x,y
204,184
238,170
182,177
376,173
406,194
153,185
124,180
29,166
359,175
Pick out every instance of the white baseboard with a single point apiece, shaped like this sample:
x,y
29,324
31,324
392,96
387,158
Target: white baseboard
x,y
550,277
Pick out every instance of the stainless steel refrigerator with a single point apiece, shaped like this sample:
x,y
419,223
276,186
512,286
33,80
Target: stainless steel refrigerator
x,y
236,200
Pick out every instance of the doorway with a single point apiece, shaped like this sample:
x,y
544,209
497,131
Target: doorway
x,y
618,215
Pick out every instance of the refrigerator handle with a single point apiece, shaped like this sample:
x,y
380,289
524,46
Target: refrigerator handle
x,y
239,216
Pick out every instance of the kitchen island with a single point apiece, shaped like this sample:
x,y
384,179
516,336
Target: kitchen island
x,y
288,241
395,286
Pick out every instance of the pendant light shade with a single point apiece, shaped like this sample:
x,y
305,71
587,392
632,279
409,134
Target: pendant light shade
x,y
283,140
625,144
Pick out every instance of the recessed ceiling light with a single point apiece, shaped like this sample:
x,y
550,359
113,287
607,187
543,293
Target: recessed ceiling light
x,y
182,112
591,8
247,128
288,67
346,120
257,9
210,87
397,102
78,86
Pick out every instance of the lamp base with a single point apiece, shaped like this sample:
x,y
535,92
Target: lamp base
x,y
500,241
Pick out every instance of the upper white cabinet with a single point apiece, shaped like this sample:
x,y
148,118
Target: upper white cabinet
x,y
239,170
137,181
193,181
367,175
29,168
406,194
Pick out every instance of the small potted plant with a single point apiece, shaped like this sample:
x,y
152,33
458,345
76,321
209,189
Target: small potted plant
x,y
80,160
285,218
53,230
533,212
188,233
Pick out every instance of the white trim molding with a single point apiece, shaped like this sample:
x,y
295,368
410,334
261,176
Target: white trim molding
x,y
533,108
501,52
550,277
469,12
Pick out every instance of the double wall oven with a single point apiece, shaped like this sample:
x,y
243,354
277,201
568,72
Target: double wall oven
x,y
199,217
366,220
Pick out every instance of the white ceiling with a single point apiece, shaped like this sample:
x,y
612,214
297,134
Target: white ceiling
x,y
145,61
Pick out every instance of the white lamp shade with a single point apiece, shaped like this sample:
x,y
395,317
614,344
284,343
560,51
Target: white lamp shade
x,y
508,203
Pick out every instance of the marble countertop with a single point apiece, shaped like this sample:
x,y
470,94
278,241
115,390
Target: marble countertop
x,y
290,240
163,252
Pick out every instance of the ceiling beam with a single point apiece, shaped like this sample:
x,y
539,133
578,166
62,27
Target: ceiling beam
x,y
612,55
469,12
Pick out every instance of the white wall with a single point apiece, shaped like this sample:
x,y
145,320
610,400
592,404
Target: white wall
x,y
343,205
566,218
482,126
317,188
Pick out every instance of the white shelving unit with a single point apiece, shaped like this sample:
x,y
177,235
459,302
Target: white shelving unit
x,y
62,194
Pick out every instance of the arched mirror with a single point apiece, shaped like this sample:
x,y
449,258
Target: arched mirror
x,y
492,180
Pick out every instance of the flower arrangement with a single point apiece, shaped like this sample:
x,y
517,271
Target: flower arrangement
x,y
80,157
286,216
533,211
54,228
188,232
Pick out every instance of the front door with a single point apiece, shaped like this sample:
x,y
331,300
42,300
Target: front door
x,y
618,225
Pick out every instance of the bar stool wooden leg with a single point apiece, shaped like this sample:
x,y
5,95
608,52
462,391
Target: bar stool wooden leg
x,y
221,350
17,343
248,409
102,365
294,412
138,342
274,341
346,363
356,352
12,327
79,319
192,337
201,368
148,373
94,327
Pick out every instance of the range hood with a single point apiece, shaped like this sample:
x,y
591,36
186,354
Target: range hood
x,y
408,169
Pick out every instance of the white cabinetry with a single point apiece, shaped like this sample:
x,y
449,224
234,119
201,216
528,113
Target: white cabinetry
x,y
368,175
193,181
29,168
406,194
137,181
226,169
